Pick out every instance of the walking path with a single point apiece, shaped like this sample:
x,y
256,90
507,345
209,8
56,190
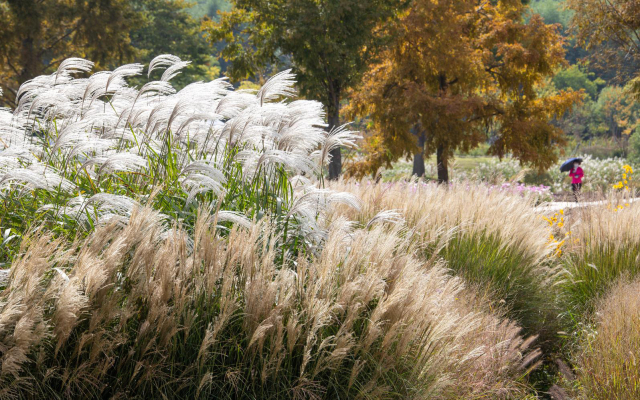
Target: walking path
x,y
564,205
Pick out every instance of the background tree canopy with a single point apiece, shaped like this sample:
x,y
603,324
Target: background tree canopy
x,y
329,44
35,36
458,80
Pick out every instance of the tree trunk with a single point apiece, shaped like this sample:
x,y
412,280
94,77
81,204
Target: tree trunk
x,y
418,158
333,116
443,168
29,24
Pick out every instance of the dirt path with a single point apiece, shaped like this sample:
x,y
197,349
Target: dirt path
x,y
564,205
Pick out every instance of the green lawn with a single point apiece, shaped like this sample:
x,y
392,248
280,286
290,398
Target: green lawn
x,y
402,169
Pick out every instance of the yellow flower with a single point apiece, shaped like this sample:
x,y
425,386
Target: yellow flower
x,y
627,205
562,212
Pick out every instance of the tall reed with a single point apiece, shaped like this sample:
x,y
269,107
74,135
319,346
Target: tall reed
x,y
607,359
139,310
603,246
77,152
494,240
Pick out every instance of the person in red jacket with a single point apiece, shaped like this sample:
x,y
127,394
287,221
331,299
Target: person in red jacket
x,y
576,175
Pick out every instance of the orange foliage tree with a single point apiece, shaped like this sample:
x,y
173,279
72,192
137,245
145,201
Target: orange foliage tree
x,y
458,72
610,30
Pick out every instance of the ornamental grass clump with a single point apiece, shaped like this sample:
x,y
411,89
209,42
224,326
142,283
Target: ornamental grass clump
x,y
604,245
606,361
494,240
77,152
177,245
139,310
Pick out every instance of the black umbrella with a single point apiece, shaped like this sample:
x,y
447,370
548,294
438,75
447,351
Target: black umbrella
x,y
568,165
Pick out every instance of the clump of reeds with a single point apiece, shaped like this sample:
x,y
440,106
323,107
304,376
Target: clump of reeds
x,y
607,359
138,310
602,245
494,240
77,152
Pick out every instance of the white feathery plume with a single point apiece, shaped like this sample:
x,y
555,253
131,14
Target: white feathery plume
x,y
37,176
73,65
93,145
62,274
310,201
338,137
202,176
117,162
123,72
281,84
235,218
16,156
194,118
234,103
73,134
163,61
32,87
387,216
157,88
120,205
295,162
174,70
11,129
212,91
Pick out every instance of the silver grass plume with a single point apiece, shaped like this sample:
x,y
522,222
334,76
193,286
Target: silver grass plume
x,y
279,85
37,176
124,71
73,66
173,65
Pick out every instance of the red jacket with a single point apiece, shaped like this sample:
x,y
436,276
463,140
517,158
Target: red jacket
x,y
576,176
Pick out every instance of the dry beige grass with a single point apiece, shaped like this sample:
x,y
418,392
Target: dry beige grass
x,y
495,241
437,211
607,367
603,245
137,311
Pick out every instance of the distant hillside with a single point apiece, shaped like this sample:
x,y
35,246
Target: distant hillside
x,y
553,11
208,8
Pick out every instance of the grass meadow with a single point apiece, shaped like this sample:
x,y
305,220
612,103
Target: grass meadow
x,y
183,244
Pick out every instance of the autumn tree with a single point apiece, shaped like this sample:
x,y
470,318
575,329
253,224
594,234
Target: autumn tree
x,y
167,27
610,30
458,72
35,35
329,43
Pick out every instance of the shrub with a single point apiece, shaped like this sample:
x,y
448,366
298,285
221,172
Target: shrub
x,y
599,175
497,171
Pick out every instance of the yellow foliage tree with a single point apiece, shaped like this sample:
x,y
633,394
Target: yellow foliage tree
x,y
457,72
